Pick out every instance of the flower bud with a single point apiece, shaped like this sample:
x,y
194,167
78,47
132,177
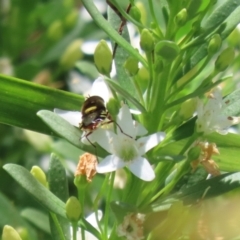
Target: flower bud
x,y
103,58
135,13
71,54
194,153
167,50
181,17
224,59
187,109
146,40
55,31
38,174
131,66
73,209
71,19
143,74
9,233
234,38
214,44
23,233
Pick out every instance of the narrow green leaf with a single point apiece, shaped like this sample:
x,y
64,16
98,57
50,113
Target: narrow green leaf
x,y
126,95
210,188
231,22
36,189
57,178
62,128
220,14
37,218
21,100
102,23
121,54
65,130
58,185
87,226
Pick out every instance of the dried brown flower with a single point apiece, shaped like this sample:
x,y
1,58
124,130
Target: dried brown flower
x,y
87,166
207,150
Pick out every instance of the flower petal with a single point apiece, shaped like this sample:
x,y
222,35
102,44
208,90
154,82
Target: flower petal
x,y
73,117
124,119
142,169
148,142
100,88
140,130
104,138
109,164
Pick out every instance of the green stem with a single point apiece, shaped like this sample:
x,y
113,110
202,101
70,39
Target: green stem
x,y
58,226
161,90
127,16
107,207
150,82
151,7
139,91
102,23
74,230
97,199
83,234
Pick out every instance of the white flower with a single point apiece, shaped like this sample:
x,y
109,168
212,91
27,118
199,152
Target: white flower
x,y
92,220
211,116
125,149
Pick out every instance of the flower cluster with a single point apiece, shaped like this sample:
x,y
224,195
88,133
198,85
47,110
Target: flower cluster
x,y
212,117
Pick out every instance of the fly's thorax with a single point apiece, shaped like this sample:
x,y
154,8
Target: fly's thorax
x,y
93,103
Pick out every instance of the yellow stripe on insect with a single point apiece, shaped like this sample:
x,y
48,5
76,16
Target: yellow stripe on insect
x,y
90,109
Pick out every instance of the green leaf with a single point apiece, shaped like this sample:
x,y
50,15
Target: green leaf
x,y
10,216
36,189
21,100
121,55
231,23
210,188
57,178
220,14
58,185
87,226
61,127
126,95
37,218
65,130
87,68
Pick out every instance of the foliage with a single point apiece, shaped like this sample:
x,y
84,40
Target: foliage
x,y
168,65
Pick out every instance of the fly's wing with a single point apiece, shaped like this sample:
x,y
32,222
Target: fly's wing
x,y
73,117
